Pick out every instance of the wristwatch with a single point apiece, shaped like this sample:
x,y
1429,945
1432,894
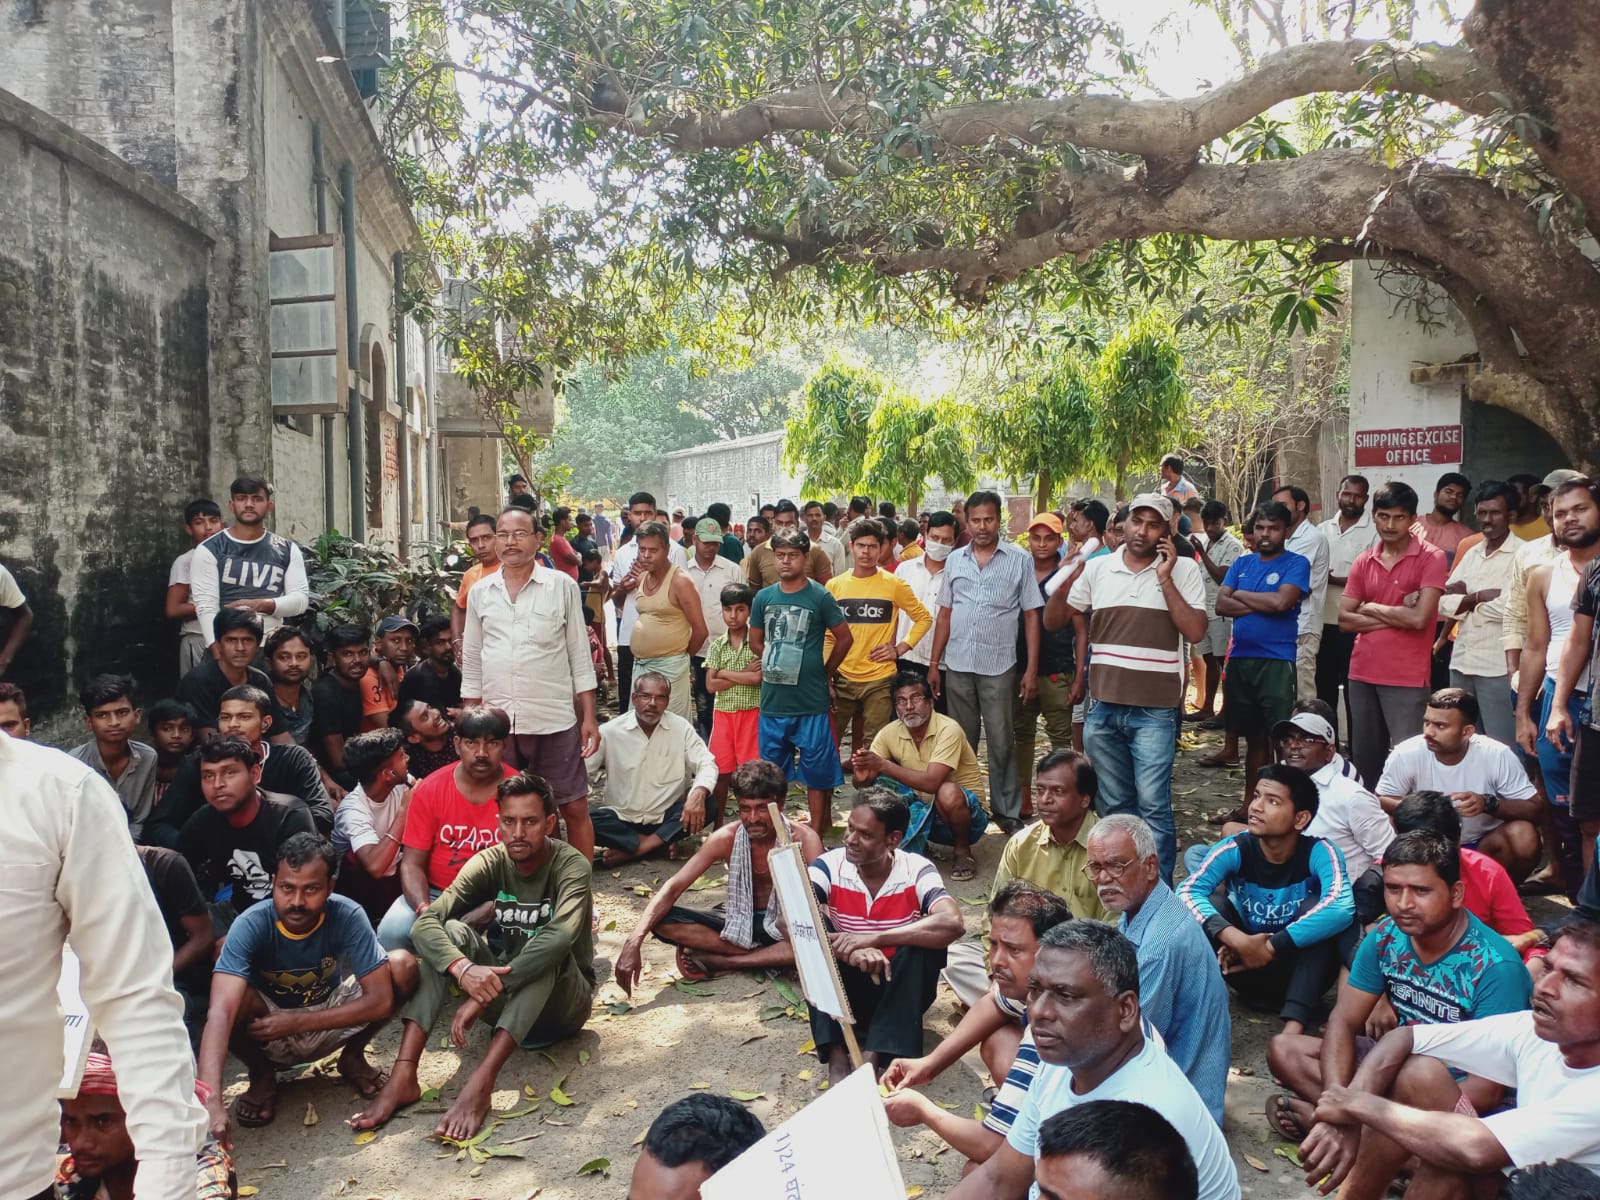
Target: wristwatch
x,y
1491,804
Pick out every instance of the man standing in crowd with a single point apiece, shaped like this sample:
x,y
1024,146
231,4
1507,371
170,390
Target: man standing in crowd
x,y
525,650
1562,731
451,818
710,573
111,712
278,994
789,622
604,531
71,872
988,588
485,561
924,576
201,519
761,566
562,552
873,602
1263,593
436,680
658,776
890,921
1308,542
1347,535
670,627
1390,603
536,983
1142,602
1474,601
1052,700
1218,549
247,567
625,575
583,539
337,697
817,530
1442,527
1175,485
289,658
1085,1017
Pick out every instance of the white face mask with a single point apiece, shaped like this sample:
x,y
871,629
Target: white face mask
x,y
937,551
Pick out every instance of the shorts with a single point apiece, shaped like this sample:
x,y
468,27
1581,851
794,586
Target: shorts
x,y
309,1047
735,738
1257,693
928,823
803,746
715,918
1219,632
558,757
1585,789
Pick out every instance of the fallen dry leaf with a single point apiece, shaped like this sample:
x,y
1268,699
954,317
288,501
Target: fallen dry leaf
x,y
1255,1162
808,1046
804,1076
700,1084
247,1190
311,1117
365,1136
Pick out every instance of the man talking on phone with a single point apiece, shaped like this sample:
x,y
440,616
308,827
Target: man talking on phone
x,y
1143,601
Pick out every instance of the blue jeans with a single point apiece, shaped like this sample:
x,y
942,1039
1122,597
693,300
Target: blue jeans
x,y
1555,764
1133,750
394,931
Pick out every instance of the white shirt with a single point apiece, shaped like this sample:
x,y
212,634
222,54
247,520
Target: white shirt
x,y
1151,1078
709,582
1489,768
1555,1116
646,774
1478,650
621,563
529,656
925,586
1351,818
68,869
1313,547
1343,548
839,556
10,594
180,574
359,823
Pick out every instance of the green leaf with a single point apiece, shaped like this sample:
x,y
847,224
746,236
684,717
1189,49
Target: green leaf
x,y
737,1094
561,1097
685,986
596,1166
788,991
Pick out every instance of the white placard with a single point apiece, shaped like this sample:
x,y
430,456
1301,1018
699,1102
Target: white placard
x,y
835,1148
77,1029
813,957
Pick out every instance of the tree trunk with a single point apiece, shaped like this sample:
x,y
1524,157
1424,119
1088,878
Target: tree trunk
x,y
1044,489
1122,479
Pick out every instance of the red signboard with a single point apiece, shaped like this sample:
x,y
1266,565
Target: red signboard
x,y
1427,445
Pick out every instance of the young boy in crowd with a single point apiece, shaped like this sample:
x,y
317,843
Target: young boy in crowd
x,y
436,679
372,818
733,676
1285,918
172,725
392,654
111,712
201,519
596,585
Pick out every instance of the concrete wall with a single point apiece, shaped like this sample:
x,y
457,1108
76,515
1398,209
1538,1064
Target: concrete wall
x,y
744,473
104,397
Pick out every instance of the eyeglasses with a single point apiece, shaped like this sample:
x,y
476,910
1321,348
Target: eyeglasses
x,y
515,535
1112,870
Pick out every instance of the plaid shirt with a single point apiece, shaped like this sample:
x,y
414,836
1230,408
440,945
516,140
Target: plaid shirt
x,y
721,656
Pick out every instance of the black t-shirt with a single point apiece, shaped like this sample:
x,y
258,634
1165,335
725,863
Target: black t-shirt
x,y
202,688
287,771
338,711
177,892
1055,647
240,861
297,721
584,545
422,762
423,683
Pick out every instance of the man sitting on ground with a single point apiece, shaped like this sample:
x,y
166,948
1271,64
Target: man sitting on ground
x,y
1499,807
371,819
1113,1150
436,679
1083,1011
925,756
279,996
234,841
744,934
229,665
430,744
289,658
337,699
537,989
1019,915
188,920
890,921
111,711
1434,963
100,1162
659,776
1180,990
1404,1088
451,817
1282,929
689,1142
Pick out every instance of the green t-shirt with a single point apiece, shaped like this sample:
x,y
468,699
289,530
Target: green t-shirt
x,y
794,625
543,917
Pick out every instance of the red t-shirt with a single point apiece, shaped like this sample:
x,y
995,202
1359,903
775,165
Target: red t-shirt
x,y
1491,896
565,555
442,822
1395,657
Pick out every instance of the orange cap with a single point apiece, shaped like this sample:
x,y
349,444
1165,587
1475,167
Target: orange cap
x,y
1049,520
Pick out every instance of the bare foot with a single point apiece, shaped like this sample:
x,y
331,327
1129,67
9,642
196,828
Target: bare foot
x,y
400,1090
466,1115
355,1070
610,857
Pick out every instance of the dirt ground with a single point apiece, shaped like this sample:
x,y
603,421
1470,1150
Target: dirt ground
x,y
629,1063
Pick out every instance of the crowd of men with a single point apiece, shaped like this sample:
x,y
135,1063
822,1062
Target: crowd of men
x,y
342,832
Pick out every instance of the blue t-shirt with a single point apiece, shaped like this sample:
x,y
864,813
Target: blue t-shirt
x,y
794,626
300,972
1257,635
1480,976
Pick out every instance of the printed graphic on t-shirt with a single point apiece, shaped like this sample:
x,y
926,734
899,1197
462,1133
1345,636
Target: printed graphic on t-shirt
x,y
787,626
867,610
466,840
519,915
302,988
249,570
249,875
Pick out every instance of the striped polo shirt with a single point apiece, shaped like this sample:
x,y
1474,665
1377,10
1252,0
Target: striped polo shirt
x,y
912,888
1138,651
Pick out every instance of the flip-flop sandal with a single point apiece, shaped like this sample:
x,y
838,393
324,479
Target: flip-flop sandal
x,y
1211,760
964,869
1280,1115
690,971
253,1115
375,1084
